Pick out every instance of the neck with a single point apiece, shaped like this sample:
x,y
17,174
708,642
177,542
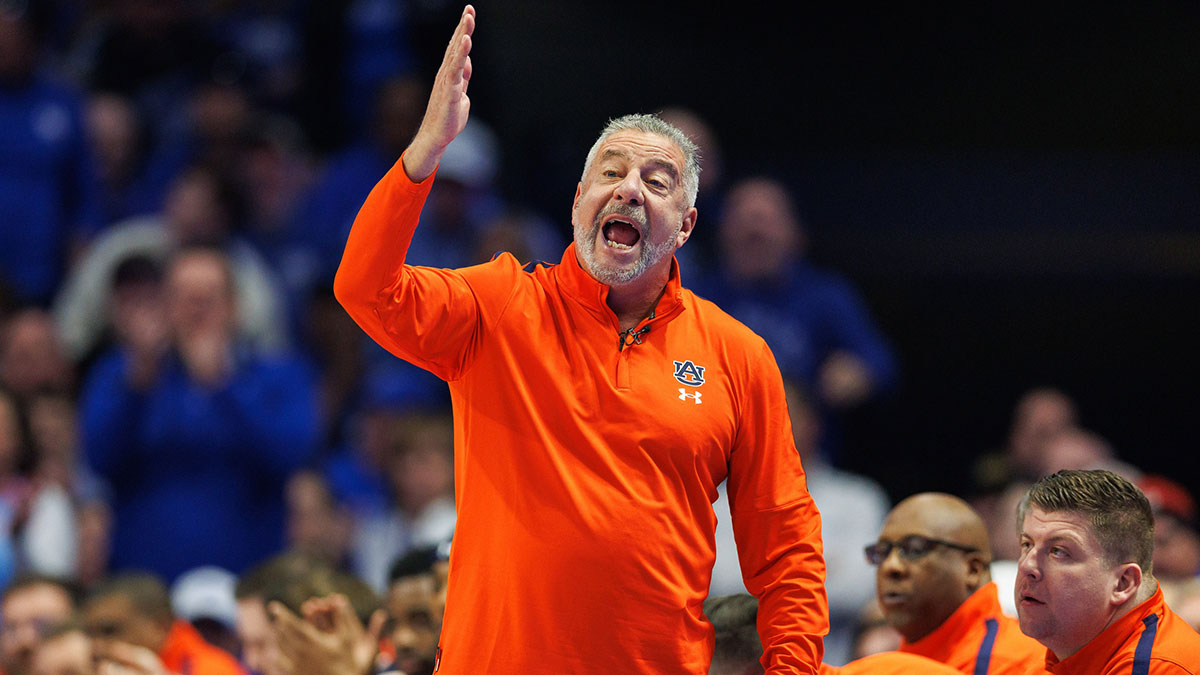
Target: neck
x,y
631,305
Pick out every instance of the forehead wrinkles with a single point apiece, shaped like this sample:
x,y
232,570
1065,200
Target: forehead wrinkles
x,y
643,146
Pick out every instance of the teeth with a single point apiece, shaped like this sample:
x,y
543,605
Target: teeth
x,y
619,247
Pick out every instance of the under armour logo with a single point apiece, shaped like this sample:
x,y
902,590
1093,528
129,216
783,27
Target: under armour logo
x,y
684,395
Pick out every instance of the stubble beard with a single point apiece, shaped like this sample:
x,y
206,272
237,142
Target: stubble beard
x,y
586,242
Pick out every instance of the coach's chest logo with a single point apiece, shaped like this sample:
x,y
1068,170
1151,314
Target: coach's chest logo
x,y
689,373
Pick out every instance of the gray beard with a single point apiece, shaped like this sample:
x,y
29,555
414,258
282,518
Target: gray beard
x,y
587,241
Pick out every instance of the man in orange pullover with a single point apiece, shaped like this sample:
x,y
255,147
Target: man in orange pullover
x,y
934,587
135,609
1085,583
598,404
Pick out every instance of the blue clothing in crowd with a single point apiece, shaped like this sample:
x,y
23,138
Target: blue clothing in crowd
x,y
805,317
198,474
48,187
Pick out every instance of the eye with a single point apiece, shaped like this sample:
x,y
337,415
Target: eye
x,y
1059,552
609,173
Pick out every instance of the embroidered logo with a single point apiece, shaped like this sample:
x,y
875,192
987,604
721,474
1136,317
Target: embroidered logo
x,y
689,373
684,395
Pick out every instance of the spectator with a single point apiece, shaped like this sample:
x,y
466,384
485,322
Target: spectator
x,y
130,182
201,210
317,523
1176,541
935,588
204,597
196,434
66,650
258,648
420,472
1085,581
852,510
48,190
818,328
415,612
135,609
30,607
32,357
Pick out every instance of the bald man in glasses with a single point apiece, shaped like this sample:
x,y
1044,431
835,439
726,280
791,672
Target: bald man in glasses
x,y
934,587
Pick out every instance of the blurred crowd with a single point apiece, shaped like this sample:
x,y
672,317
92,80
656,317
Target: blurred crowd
x,y
192,428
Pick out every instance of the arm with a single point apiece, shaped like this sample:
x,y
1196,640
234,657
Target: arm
x,y
777,527
423,316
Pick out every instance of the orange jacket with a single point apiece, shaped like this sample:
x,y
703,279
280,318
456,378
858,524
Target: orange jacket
x,y
186,653
1149,640
979,638
585,472
890,663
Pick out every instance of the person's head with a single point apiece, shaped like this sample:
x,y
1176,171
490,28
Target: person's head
x,y
1176,539
317,524
412,604
1087,545
931,555
259,650
65,651
32,357
760,231
704,136
421,463
30,607
201,207
735,623
635,203
117,135
1039,414
133,607
200,294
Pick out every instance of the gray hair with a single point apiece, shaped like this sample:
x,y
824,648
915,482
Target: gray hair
x,y
653,124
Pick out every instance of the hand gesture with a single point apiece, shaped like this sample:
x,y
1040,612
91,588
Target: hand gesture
x,y
119,658
329,640
446,114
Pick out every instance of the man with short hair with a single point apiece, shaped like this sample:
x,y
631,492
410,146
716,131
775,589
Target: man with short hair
x,y
1085,580
30,607
135,609
598,404
66,650
934,587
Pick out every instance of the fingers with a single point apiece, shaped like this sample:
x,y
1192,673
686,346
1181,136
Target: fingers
x,y
375,627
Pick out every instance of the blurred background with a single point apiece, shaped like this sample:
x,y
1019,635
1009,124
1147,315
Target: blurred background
x,y
991,200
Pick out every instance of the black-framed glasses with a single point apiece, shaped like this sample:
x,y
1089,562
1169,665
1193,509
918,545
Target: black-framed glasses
x,y
911,547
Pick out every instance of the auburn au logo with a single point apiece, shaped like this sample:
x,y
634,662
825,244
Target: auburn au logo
x,y
689,373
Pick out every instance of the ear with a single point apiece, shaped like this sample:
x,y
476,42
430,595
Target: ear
x,y
575,202
685,230
978,571
1128,582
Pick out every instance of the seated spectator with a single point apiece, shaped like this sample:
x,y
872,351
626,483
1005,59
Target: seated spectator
x,y
195,434
135,609
29,608
317,523
1085,581
415,611
1176,541
32,356
204,598
66,650
258,649
934,587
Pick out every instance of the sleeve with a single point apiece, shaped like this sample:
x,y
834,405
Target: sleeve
x,y
777,527
428,317
110,417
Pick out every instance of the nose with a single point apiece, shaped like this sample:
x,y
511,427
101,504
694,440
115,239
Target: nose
x,y
1027,565
629,190
893,565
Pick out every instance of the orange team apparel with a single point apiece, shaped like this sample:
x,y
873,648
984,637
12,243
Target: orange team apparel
x,y
586,465
1149,640
186,653
890,663
978,639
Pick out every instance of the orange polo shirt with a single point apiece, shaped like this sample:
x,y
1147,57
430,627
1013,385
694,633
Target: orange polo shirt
x,y
978,638
1149,640
585,466
186,653
890,663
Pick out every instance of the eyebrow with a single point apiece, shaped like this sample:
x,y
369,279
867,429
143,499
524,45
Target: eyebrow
x,y
657,163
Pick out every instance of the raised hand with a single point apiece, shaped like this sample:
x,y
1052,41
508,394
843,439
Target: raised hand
x,y
448,108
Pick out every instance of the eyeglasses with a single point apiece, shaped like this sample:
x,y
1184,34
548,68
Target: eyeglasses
x,y
911,548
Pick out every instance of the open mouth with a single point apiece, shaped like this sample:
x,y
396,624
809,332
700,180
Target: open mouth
x,y
621,234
